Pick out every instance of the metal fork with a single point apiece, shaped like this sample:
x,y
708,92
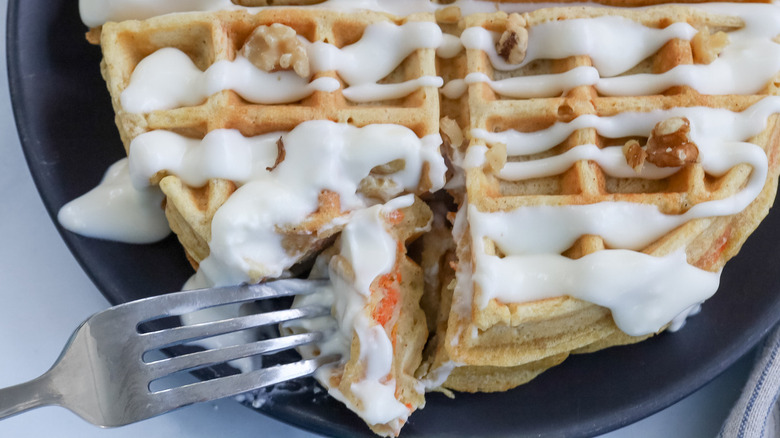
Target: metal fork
x,y
101,374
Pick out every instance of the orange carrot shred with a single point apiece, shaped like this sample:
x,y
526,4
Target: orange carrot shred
x,y
395,217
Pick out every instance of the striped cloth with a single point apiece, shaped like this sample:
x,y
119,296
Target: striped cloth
x,y
756,415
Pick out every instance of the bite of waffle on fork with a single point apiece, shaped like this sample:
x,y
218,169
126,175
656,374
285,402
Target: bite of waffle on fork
x,y
619,169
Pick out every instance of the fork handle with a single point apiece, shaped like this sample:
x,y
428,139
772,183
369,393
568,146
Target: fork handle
x,y
26,396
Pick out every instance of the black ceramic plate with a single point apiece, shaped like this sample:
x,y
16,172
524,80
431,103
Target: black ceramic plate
x,y
65,123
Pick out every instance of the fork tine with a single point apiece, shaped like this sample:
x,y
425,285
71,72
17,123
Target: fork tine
x,y
189,301
199,359
168,337
174,398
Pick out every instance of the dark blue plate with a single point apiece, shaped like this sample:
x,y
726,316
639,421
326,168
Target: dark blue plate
x,y
65,122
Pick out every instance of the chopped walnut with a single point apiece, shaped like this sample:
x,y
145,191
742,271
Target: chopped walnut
x,y
378,185
496,156
670,144
390,168
635,155
277,47
450,129
450,14
706,47
280,154
93,35
514,41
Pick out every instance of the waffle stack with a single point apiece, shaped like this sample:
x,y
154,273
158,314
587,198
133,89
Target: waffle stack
x,y
495,341
208,38
562,161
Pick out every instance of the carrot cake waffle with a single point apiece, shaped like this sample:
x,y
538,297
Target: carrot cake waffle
x,y
577,176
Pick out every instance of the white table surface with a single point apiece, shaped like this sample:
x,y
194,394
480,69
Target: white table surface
x,y
44,295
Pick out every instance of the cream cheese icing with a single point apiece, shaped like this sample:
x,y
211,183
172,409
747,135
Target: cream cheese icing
x,y
371,252
169,79
115,210
617,44
98,12
319,155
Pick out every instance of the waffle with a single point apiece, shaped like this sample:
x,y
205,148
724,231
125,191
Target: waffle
x,y
207,38
486,337
490,332
394,305
438,370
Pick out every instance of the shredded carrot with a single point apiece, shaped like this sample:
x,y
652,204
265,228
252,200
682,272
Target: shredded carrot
x,y
395,217
388,286
712,256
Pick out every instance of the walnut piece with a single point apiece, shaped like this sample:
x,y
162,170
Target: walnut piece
x,y
514,41
277,47
635,155
379,185
280,154
706,47
451,132
496,157
670,144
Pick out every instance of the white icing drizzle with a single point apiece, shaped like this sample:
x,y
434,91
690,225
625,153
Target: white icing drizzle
x,y
611,159
623,225
679,321
538,85
437,376
744,66
169,79
643,292
371,252
222,153
707,125
450,46
115,210
319,155
454,88
381,48
98,12
375,92
475,157
617,44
